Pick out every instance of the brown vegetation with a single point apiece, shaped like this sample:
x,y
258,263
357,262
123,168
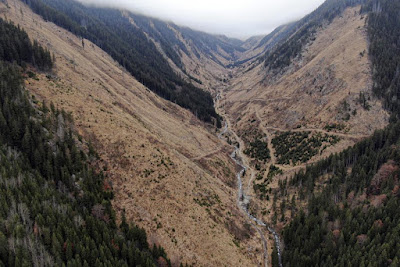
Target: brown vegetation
x,y
146,147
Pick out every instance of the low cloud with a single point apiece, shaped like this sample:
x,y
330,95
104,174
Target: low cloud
x,y
239,19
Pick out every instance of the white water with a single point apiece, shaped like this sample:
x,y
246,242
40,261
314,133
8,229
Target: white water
x,y
243,201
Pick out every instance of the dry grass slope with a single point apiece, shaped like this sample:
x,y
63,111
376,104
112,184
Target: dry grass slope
x,y
169,172
320,89
333,69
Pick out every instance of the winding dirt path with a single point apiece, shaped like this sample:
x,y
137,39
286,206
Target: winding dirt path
x,y
269,142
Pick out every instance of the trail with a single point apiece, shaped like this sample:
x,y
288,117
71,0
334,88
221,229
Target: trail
x,y
243,199
266,130
269,143
273,160
343,135
208,154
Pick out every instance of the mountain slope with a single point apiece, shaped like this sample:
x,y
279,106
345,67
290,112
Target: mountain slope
x,y
322,88
129,46
356,209
170,174
55,207
301,32
201,58
320,103
331,84
256,47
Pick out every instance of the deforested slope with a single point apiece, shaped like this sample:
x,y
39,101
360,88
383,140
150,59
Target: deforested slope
x,y
356,210
170,174
319,103
55,207
329,84
131,48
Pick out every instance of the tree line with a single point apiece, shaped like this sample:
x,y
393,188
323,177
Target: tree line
x,y
55,208
15,45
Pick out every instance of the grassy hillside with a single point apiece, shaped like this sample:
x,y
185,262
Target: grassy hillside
x,y
152,151
352,215
128,45
55,207
302,32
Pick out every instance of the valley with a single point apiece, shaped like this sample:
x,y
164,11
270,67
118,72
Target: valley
x,y
219,183
243,199
150,150
261,110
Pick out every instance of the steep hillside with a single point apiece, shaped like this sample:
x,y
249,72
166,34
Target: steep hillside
x,y
302,32
353,196
198,57
169,59
256,47
328,88
169,173
55,206
321,103
331,84
131,48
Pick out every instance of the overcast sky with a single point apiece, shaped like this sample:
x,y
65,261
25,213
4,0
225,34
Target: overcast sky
x,y
234,18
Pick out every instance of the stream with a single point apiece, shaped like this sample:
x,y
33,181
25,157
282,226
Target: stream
x,y
243,201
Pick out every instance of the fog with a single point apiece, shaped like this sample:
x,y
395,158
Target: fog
x,y
234,18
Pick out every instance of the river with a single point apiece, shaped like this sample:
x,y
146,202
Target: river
x,y
243,200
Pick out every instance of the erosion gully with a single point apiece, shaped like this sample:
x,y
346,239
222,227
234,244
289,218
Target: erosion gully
x,y
243,199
